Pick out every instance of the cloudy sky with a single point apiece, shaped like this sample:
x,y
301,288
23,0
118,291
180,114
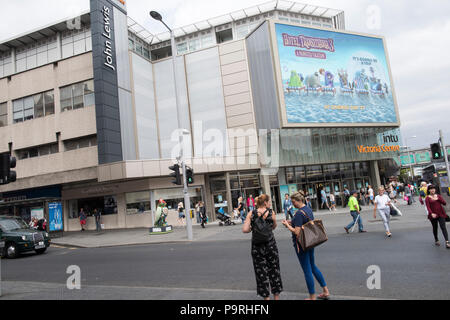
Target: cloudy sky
x,y
417,34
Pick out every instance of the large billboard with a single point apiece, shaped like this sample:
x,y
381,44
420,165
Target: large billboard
x,y
328,78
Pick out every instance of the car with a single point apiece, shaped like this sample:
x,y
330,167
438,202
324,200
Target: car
x,y
19,238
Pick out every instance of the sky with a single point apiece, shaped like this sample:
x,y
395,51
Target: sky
x,y
416,33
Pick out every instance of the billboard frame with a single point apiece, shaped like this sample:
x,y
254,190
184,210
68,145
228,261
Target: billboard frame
x,y
279,81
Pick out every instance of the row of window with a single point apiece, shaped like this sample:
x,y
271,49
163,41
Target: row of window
x,y
36,106
75,96
53,148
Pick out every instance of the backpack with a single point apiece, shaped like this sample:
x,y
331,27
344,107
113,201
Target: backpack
x,y
261,229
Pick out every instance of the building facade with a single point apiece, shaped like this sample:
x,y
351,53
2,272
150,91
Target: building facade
x,y
88,107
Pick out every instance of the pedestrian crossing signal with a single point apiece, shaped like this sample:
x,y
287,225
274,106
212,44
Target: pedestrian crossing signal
x,y
189,176
436,151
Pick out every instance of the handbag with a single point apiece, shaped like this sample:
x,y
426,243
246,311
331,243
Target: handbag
x,y
312,234
447,219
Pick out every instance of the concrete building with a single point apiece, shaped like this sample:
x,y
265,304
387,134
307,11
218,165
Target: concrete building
x,y
88,108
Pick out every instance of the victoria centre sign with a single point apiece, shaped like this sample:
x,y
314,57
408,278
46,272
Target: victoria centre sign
x,y
328,78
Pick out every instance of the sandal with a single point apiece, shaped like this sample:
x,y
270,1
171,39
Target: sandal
x,y
323,296
447,245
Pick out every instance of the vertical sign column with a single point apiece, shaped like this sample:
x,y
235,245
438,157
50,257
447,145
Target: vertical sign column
x,y
105,82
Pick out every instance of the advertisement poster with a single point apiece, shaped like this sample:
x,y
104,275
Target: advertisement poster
x,y
332,77
289,189
37,213
55,216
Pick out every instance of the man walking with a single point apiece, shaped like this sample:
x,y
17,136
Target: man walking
x,y
287,206
355,211
97,217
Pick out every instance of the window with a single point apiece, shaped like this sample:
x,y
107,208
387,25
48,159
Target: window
x,y
138,202
3,114
32,107
85,142
77,96
131,44
106,205
44,150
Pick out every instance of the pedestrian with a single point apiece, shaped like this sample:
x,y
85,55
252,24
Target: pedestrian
x,y
83,218
250,203
97,217
383,206
423,192
407,193
437,214
261,222
371,194
324,199
306,258
333,201
197,212
203,216
287,207
346,196
181,215
241,209
413,191
355,211
362,196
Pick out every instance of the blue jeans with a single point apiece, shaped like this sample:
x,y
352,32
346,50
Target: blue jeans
x,y
243,216
198,217
288,214
355,216
310,269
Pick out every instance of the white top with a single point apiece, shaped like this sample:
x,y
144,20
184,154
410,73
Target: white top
x,y
331,197
382,201
370,192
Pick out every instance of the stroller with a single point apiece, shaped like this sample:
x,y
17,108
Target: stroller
x,y
225,219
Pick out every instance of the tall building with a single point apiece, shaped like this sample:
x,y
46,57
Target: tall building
x,y
88,107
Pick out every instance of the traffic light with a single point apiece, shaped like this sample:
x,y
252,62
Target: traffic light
x,y
189,175
6,164
176,174
436,151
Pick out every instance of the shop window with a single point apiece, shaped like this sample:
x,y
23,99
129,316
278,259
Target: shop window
x,y
174,196
3,114
314,173
218,184
106,205
300,175
346,170
290,176
78,95
138,202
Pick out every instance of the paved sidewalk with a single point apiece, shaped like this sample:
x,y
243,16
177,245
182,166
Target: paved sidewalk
x,y
125,237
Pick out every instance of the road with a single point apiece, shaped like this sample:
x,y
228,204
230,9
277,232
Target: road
x,y
220,267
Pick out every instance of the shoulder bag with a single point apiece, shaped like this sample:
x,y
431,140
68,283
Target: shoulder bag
x,y
312,234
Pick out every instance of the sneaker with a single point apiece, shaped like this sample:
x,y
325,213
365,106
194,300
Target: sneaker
x,y
447,245
363,231
346,230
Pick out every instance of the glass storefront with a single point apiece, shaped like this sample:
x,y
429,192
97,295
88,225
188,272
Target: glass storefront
x,y
330,177
106,205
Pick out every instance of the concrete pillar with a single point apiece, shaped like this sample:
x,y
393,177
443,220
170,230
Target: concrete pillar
x,y
266,184
208,200
121,211
229,199
375,174
282,176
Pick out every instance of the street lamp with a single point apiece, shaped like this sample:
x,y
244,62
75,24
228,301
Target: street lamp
x,y
187,201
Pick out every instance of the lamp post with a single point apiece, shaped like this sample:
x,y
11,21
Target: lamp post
x,y
187,201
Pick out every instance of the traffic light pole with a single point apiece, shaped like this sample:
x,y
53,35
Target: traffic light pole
x,y
441,137
187,200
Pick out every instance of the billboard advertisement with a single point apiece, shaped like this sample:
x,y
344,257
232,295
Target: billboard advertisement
x,y
329,78
55,216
